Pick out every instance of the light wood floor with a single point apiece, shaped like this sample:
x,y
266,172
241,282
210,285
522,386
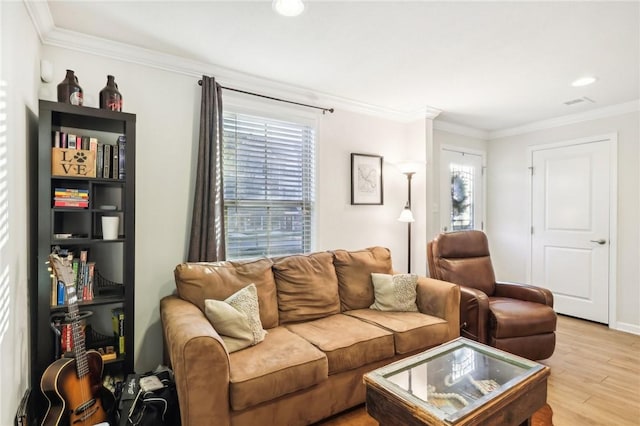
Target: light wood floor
x,y
595,378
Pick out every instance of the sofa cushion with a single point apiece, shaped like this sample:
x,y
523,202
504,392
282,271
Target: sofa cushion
x,y
348,342
307,287
354,270
198,281
283,363
237,318
411,330
394,292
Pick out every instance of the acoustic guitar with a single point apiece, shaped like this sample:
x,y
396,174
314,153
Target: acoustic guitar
x,y
73,386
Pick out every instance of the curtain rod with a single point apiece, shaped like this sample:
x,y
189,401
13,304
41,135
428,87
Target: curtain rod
x,y
324,110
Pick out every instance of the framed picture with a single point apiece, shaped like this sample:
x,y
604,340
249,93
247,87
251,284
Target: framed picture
x,y
366,179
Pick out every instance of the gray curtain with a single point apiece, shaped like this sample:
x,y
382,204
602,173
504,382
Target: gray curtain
x,y
207,225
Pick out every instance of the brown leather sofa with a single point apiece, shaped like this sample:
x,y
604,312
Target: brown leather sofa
x,y
321,336
513,317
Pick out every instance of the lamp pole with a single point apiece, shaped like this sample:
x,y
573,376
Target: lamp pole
x,y
409,176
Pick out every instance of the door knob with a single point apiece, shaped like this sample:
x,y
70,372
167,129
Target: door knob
x,y
601,241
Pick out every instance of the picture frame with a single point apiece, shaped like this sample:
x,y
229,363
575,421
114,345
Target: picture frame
x,y
366,179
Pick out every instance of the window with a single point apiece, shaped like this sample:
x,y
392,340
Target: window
x,y
462,195
268,183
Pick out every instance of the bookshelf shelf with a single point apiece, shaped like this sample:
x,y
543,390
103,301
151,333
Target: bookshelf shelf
x,y
98,301
79,229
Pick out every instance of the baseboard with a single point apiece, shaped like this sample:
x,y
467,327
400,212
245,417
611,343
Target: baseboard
x,y
627,328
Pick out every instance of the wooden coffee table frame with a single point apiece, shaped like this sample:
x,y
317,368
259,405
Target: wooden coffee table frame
x,y
510,405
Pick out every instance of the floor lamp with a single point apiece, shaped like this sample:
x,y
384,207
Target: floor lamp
x,y
407,216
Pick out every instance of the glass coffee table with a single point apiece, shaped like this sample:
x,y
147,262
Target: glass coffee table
x,y
461,382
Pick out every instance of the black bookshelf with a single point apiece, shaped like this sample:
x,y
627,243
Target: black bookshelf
x,y
114,259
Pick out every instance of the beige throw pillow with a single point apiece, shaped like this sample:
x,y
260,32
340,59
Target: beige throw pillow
x,y
394,292
237,318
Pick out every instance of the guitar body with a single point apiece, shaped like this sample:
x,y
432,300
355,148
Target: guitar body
x,y
75,400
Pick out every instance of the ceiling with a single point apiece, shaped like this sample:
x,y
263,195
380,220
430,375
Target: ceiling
x,y
485,65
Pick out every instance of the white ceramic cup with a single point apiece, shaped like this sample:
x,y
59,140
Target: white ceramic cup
x,y
110,227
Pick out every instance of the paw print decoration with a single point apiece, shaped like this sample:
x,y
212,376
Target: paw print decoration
x,y
80,157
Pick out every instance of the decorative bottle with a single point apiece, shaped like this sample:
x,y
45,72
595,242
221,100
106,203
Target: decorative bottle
x,y
69,91
110,97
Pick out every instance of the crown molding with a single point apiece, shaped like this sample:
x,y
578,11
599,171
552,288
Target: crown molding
x,y
458,129
40,17
594,114
50,35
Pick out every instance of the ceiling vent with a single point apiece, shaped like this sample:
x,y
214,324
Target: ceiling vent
x,y
579,100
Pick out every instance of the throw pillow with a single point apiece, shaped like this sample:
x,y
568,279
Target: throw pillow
x,y
237,318
394,292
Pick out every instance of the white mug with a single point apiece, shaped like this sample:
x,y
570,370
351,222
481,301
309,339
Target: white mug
x,y
110,227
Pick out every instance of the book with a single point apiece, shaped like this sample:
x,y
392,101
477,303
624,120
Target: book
x,y
83,275
66,338
117,319
53,301
56,139
63,140
74,265
99,162
106,170
71,141
61,293
115,164
78,204
122,145
85,142
91,267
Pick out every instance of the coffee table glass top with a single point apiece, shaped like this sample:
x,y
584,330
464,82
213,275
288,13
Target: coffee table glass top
x,y
454,379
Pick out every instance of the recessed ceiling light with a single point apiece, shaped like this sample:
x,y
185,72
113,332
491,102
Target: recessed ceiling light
x,y
288,7
583,81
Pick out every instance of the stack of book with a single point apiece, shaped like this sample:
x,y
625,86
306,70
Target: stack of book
x,y
109,156
110,159
83,276
72,141
71,197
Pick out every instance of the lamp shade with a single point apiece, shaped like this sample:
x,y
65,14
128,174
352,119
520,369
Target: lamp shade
x,y
406,215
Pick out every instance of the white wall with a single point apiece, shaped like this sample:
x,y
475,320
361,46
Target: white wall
x,y
167,106
341,225
508,181
19,70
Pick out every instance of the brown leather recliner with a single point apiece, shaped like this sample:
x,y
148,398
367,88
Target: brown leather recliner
x,y
516,318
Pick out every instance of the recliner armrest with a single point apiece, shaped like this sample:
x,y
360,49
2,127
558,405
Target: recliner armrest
x,y
474,312
525,292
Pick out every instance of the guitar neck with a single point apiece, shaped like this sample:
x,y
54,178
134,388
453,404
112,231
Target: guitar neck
x,y
79,350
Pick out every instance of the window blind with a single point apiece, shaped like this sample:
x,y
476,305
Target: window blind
x,y
268,183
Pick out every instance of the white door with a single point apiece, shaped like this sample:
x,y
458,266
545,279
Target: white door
x,y
461,190
570,227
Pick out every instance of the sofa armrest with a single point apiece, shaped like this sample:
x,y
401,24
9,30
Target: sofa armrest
x,y
526,292
440,299
199,360
474,314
